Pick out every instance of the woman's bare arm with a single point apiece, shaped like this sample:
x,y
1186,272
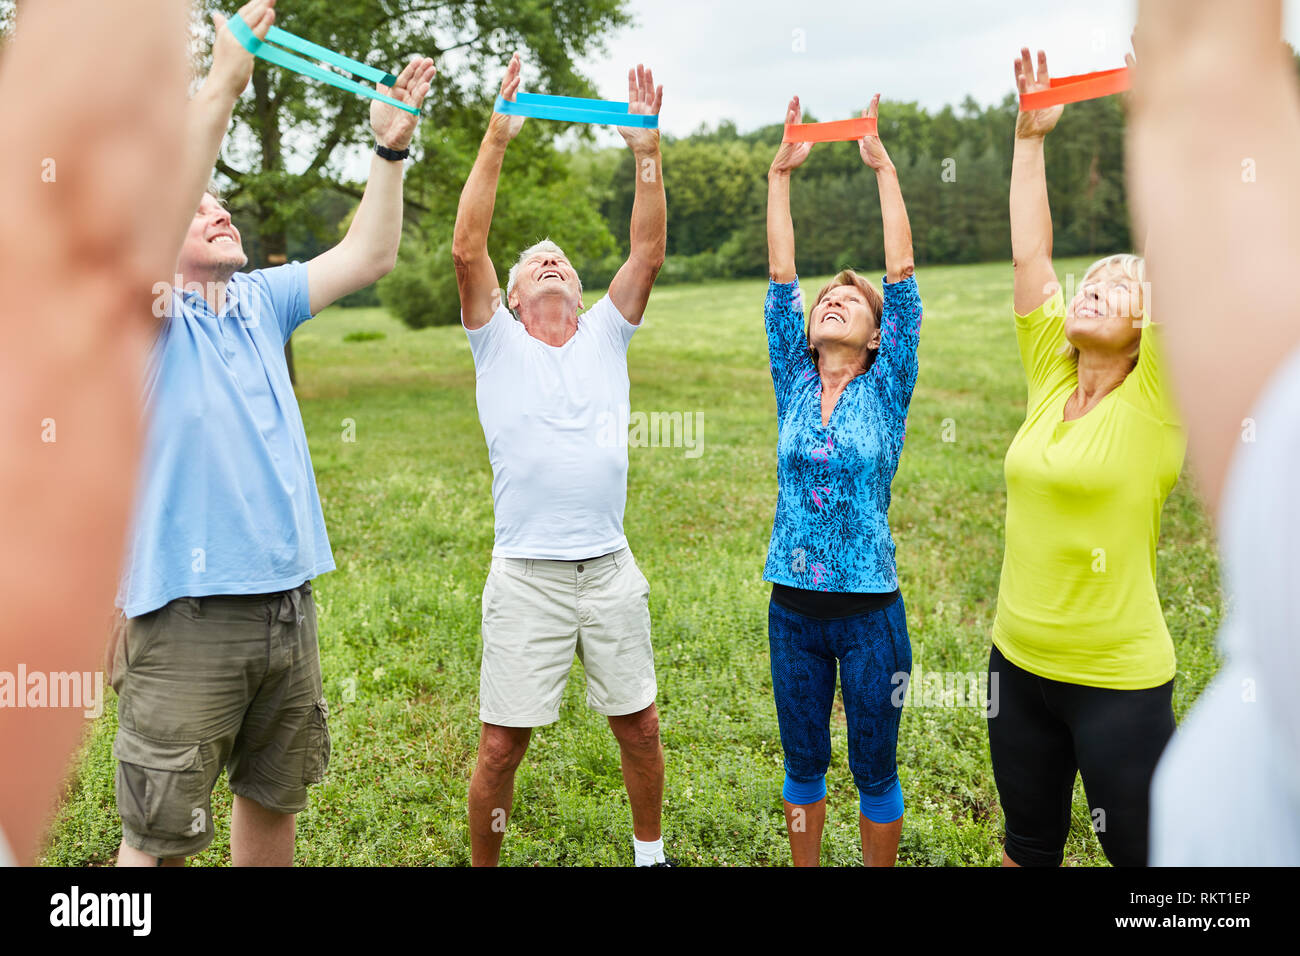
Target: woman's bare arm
x,y
1031,216
780,227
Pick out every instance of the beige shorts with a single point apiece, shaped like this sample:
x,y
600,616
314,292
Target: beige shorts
x,y
538,614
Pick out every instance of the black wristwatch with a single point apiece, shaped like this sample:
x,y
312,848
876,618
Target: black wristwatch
x,y
392,154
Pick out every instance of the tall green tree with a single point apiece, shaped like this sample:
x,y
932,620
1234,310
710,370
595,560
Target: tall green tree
x,y
289,131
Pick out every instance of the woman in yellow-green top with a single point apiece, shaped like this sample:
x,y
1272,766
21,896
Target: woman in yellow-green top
x,y
1082,666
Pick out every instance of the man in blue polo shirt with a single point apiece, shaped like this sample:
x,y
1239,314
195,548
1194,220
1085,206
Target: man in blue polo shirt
x,y
216,661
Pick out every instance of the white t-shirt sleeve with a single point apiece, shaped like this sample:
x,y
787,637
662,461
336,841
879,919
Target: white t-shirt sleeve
x,y
605,319
1224,764
1237,755
486,342
1261,551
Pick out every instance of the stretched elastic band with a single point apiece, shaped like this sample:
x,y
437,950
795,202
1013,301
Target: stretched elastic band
x,y
317,52
282,58
575,109
833,132
802,794
1075,89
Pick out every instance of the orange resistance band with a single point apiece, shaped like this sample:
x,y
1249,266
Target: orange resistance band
x,y
1073,89
832,132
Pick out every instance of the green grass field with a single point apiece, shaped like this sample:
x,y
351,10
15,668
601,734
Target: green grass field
x,y
409,510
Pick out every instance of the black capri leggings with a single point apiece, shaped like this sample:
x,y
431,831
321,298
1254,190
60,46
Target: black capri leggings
x,y
1042,731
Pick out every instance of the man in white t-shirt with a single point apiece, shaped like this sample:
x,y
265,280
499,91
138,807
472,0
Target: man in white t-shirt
x,y
563,580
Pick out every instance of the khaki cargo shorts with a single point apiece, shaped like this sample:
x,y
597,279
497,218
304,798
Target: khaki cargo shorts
x,y
206,684
538,614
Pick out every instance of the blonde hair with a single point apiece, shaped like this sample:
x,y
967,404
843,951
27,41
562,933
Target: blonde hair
x,y
875,302
1130,267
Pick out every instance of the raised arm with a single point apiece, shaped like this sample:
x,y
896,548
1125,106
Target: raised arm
x,y
780,227
900,317
369,250
898,230
476,279
1225,235
1031,216
207,117
630,290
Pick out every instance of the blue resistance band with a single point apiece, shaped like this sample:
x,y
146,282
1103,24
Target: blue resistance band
x,y
575,109
273,54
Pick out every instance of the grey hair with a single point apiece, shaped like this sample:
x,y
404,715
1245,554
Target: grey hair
x,y
544,246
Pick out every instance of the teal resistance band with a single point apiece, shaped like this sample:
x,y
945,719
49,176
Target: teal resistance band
x,y
273,54
575,109
317,52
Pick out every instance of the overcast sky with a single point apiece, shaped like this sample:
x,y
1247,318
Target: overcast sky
x,y
743,59
737,60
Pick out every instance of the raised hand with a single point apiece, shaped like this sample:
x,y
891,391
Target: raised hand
x,y
1034,124
232,65
791,155
872,149
393,127
504,127
642,98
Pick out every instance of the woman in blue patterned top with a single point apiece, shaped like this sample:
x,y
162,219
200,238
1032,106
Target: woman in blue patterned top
x,y
844,379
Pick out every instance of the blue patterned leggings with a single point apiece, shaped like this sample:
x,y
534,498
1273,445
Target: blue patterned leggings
x,y
873,653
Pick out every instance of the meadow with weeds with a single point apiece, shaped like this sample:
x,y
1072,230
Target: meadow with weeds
x,y
406,488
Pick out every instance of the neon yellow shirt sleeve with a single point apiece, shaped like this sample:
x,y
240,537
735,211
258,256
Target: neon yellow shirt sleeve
x,y
1041,337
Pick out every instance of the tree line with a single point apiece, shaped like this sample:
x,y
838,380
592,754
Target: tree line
x,y
954,166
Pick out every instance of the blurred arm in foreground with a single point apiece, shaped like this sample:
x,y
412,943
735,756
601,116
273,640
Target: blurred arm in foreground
x,y
91,98
1213,144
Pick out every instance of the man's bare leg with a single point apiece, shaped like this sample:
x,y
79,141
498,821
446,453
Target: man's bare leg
x,y
130,856
260,837
492,789
643,769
